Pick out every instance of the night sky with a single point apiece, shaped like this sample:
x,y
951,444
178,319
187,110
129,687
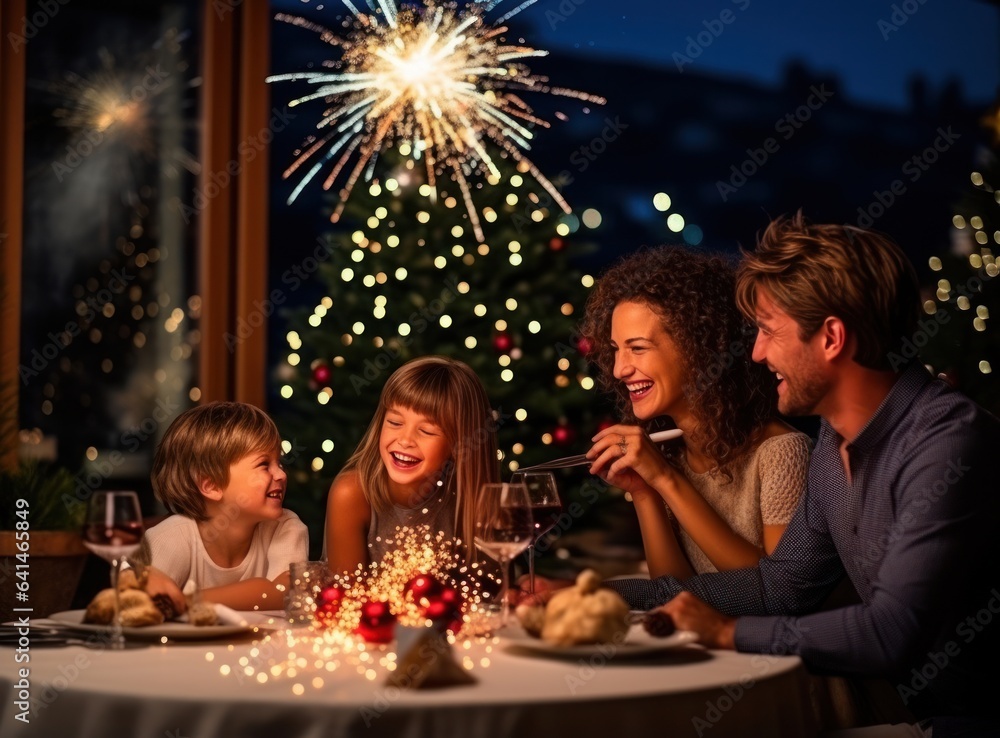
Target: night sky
x,y
943,41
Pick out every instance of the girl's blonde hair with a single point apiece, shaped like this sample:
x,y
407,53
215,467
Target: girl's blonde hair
x,y
202,443
449,393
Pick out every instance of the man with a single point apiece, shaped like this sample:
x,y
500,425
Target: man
x,y
901,494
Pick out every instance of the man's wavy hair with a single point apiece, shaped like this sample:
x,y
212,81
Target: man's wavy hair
x,y
814,271
694,297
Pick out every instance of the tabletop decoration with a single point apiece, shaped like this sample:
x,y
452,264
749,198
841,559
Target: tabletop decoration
x,y
365,621
426,661
421,578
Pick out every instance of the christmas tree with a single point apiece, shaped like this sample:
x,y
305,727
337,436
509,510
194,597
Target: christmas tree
x,y
955,336
406,277
449,239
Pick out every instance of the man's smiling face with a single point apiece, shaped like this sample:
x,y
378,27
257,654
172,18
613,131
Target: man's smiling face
x,y
798,365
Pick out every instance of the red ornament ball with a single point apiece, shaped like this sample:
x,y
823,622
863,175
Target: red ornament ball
x,y
584,345
563,435
328,605
422,586
377,624
445,609
502,342
321,375
556,243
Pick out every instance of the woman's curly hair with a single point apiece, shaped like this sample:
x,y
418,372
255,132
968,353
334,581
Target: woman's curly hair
x,y
730,396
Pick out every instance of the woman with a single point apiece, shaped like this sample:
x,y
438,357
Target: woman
x,y
672,347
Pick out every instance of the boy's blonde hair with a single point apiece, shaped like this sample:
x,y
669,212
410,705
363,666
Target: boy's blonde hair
x,y
449,393
202,443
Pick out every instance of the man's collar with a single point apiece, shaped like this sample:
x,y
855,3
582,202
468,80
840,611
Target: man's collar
x,y
890,412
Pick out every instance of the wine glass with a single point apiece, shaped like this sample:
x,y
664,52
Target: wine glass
x,y
113,530
545,508
503,529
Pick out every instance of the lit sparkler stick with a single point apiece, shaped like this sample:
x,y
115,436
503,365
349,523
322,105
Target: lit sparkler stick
x,y
438,78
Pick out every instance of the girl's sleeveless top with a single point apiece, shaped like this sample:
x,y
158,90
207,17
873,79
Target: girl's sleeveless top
x,y
438,514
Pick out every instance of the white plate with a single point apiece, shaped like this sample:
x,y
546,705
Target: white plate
x,y
171,630
637,643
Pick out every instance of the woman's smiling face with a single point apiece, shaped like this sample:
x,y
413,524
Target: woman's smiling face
x,y
647,362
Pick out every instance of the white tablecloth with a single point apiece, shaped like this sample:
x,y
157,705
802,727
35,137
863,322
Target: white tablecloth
x,y
173,691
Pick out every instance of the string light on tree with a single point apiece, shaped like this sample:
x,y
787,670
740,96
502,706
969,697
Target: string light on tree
x,y
963,294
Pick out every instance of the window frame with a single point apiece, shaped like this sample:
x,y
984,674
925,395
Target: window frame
x,y
232,228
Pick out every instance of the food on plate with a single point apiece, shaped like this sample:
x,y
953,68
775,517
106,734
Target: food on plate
x,y
198,611
659,624
532,619
137,609
165,605
581,614
202,613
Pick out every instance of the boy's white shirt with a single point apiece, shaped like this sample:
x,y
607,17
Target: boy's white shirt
x,y
175,548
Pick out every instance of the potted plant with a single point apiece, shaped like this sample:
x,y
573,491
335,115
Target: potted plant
x,y
56,554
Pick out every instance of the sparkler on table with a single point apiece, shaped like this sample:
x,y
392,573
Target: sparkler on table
x,y
336,642
439,82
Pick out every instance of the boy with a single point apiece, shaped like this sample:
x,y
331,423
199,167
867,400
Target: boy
x,y
218,470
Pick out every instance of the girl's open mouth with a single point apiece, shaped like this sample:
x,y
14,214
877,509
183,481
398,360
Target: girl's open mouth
x,y
404,461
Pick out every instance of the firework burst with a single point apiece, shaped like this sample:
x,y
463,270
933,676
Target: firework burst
x,y
439,82
126,114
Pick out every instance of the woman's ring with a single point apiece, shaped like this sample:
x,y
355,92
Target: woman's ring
x,y
623,446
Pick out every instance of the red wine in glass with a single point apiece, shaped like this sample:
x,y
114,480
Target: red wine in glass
x,y
546,517
544,499
504,529
113,530
113,542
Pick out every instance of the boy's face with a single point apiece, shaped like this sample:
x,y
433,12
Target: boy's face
x,y
257,485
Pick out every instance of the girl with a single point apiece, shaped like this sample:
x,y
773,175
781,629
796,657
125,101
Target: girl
x,y
671,345
429,448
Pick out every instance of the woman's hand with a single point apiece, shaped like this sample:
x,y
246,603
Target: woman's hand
x,y
623,456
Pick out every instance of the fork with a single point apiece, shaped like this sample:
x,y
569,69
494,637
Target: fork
x,y
581,459
44,636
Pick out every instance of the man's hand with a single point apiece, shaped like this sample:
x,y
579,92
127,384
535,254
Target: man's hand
x,y
714,629
544,589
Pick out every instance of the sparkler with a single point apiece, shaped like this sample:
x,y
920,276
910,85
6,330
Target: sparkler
x,y
440,83
126,111
311,654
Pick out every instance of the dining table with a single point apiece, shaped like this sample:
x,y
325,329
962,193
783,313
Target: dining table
x,y
269,683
